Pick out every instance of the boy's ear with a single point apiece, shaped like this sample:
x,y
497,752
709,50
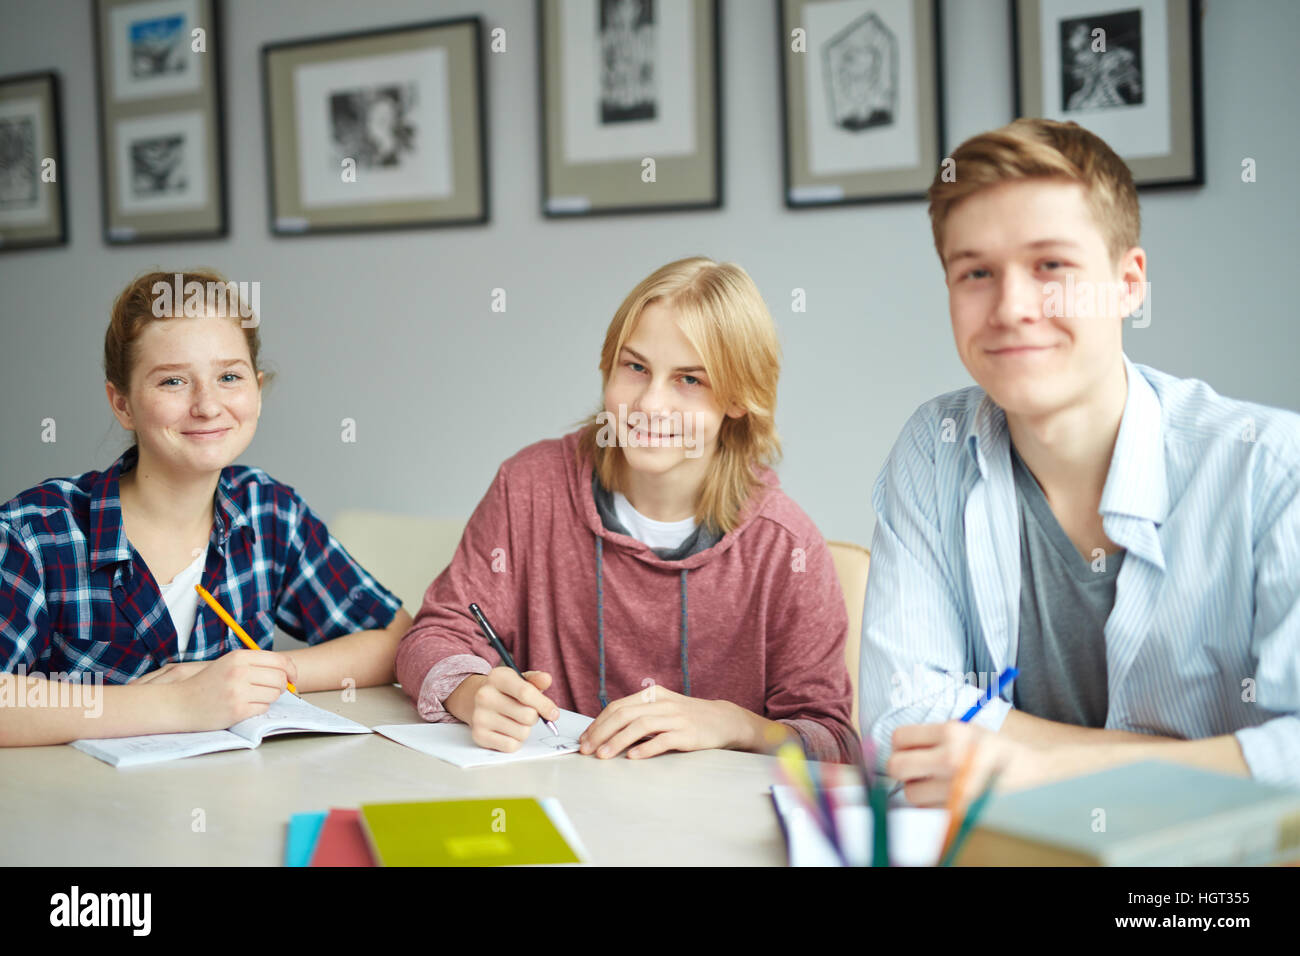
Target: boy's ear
x,y
1132,271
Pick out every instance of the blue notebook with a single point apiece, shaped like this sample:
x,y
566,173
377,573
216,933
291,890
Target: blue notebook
x,y
304,831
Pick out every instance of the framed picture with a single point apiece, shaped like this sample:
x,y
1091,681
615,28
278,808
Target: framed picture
x,y
33,209
630,106
162,157
862,99
382,129
1129,71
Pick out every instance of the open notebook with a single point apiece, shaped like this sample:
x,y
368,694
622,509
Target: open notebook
x,y
452,743
915,834
288,715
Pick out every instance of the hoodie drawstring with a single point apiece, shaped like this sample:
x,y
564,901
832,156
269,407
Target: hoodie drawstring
x,y
600,625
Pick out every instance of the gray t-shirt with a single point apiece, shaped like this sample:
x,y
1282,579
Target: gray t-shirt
x,y
1064,604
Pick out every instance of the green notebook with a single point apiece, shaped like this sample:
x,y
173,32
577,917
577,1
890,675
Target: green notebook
x,y
1140,814
466,833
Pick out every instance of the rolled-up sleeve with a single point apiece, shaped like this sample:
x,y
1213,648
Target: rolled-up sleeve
x,y
24,620
324,592
1272,749
914,652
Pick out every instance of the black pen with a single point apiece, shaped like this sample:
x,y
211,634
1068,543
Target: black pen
x,y
500,648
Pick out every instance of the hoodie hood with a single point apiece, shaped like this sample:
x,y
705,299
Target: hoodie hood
x,y
580,481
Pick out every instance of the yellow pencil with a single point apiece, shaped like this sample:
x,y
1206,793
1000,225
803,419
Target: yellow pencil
x,y
230,622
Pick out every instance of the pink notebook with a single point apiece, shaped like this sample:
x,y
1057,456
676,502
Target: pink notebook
x,y
342,842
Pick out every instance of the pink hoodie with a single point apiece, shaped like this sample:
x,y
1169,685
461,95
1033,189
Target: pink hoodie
x,y
758,619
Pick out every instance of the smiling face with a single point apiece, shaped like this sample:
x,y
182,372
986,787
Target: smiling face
x,y
1037,305
194,398
660,375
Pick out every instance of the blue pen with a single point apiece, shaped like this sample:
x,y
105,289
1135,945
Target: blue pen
x,y
1005,678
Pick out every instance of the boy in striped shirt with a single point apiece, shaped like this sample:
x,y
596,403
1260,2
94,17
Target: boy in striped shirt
x,y
1128,540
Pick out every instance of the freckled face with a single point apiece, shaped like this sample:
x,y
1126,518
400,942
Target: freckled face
x,y
193,400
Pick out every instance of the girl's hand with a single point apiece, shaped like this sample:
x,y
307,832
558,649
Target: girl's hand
x,y
506,707
170,673
670,720
232,688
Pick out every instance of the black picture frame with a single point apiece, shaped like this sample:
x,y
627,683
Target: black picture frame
x,y
1184,165
291,213
50,228
204,106
691,181
806,188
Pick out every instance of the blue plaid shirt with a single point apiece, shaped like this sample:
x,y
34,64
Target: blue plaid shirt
x,y
76,597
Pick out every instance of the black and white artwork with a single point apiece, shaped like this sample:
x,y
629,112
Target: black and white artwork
x,y
374,129
628,74
860,65
25,195
19,165
374,126
1101,61
626,79
377,129
860,78
152,49
161,162
32,209
1103,66
159,166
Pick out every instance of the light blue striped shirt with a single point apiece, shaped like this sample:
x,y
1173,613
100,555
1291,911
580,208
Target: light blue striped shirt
x,y
1204,639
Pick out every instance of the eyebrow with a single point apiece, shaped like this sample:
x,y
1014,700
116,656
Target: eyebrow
x,y
645,361
220,363
1037,244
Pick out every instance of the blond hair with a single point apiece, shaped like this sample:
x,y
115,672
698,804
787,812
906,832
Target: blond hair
x,y
1044,149
724,318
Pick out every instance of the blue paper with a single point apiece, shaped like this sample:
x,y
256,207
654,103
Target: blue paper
x,y
304,831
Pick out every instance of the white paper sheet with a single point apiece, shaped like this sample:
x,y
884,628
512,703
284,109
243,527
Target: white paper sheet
x,y
452,743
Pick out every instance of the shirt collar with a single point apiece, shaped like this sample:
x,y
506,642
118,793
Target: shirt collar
x,y
108,542
986,432
1135,483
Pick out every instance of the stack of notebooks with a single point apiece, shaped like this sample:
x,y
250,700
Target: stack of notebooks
x,y
508,832
1141,814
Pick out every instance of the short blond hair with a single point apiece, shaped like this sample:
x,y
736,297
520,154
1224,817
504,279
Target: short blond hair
x,y
723,316
1044,149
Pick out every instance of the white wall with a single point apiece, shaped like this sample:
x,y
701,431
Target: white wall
x,y
395,331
